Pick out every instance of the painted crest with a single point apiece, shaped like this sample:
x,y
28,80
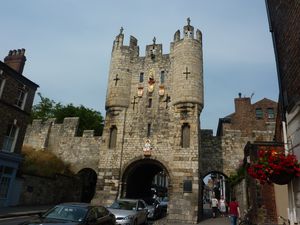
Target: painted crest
x,y
161,90
151,88
147,148
151,80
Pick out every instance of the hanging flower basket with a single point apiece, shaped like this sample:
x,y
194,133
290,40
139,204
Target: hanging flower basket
x,y
281,178
274,167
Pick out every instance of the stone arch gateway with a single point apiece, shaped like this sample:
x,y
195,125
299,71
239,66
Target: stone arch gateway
x,y
149,137
138,179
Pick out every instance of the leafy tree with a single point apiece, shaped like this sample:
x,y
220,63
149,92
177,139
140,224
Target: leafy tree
x,y
89,119
44,109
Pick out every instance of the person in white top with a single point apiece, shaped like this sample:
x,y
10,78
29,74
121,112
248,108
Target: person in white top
x,y
222,206
214,206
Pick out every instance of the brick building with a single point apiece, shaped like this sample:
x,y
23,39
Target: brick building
x,y
248,117
16,99
249,124
284,25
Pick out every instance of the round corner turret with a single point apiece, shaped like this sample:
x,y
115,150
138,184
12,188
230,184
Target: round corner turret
x,y
187,67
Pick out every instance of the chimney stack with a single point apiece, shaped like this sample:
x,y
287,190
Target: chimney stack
x,y
242,104
16,60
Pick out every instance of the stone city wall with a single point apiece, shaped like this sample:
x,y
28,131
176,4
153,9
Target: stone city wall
x,y
233,143
211,153
81,152
38,190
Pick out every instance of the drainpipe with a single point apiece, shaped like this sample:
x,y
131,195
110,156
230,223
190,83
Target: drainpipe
x,y
292,207
120,183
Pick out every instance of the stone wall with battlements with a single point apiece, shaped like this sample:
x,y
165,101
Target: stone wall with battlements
x,y
211,152
81,152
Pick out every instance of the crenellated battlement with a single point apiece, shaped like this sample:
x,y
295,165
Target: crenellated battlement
x,y
38,133
154,49
60,138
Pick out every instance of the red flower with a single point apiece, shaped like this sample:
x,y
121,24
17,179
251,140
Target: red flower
x,y
271,162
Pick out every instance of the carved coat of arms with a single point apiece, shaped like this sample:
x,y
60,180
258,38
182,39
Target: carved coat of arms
x,y
147,148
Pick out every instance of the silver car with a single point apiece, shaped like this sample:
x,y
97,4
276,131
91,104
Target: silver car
x,y
129,211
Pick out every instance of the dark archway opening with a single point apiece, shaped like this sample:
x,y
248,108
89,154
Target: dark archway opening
x,y
88,179
145,179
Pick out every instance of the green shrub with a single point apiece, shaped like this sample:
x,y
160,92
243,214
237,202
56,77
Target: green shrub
x,y
42,163
238,176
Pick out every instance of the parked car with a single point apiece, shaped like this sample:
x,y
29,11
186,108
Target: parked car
x,y
154,208
129,211
75,214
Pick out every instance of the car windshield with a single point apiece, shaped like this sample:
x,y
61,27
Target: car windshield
x,y
68,213
127,205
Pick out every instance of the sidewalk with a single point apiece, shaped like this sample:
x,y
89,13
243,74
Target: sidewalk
x,y
7,212
216,221
210,221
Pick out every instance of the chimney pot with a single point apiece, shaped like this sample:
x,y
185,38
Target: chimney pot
x,y
16,60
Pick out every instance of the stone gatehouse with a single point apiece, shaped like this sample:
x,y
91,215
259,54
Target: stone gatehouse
x,y
152,128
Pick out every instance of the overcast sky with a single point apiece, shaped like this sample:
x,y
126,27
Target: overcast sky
x,y
68,46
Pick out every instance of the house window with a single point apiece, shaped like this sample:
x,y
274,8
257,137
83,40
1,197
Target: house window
x,y
10,137
185,135
113,137
141,77
162,77
150,103
149,130
6,174
21,97
271,114
4,187
187,186
2,83
259,113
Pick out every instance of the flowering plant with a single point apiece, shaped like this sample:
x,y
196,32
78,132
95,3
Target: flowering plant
x,y
273,163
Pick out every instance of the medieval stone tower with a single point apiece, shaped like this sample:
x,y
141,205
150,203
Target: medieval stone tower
x,y
152,123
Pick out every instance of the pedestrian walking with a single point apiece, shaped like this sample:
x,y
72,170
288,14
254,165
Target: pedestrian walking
x,y
222,206
234,211
214,206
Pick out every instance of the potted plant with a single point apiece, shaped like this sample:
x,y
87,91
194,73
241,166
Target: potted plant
x,y
274,166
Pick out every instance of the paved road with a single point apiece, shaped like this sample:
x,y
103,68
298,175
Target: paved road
x,y
17,220
14,220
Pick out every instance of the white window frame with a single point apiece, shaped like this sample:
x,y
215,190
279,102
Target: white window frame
x,y
9,142
21,99
3,81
